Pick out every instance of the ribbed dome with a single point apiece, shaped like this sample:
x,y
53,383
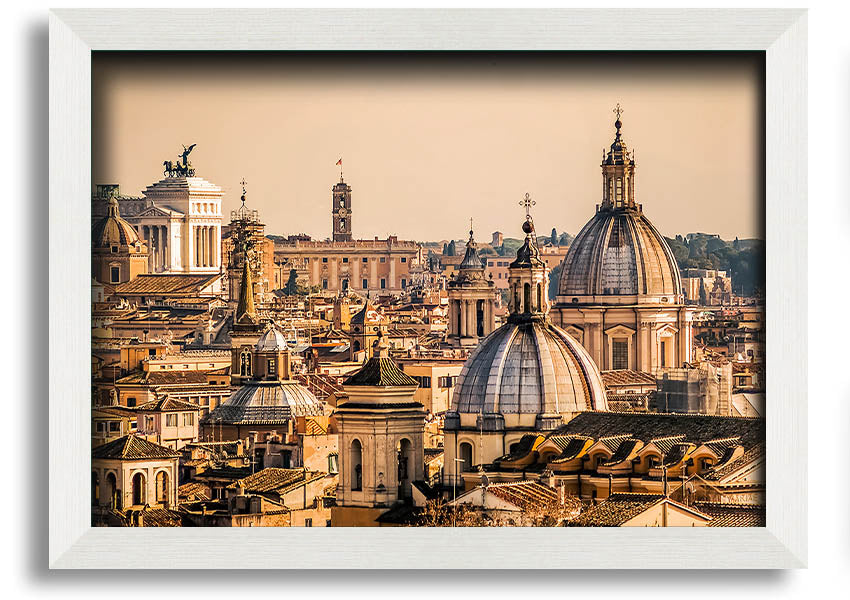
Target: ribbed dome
x,y
272,340
620,253
266,404
112,230
530,367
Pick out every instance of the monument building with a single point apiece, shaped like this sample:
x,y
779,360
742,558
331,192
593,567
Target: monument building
x,y
178,218
620,292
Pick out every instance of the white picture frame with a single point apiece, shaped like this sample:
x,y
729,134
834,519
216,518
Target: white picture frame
x,y
75,33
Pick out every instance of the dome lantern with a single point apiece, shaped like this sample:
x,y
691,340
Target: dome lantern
x,y
618,173
528,276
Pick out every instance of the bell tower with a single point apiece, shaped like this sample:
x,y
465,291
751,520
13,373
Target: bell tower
x,y
341,211
472,300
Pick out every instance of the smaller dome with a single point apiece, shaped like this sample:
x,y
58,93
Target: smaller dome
x,y
262,403
271,341
112,230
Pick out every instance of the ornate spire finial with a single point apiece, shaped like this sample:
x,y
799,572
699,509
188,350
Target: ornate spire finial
x,y
527,202
243,183
618,124
470,228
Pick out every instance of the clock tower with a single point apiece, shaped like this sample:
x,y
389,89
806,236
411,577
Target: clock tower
x,y
341,211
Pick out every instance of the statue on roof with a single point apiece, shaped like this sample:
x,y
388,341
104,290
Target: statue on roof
x,y
181,168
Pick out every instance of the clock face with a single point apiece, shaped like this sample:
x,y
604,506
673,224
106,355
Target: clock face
x,y
342,212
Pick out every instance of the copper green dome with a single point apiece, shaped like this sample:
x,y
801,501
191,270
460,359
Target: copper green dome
x,y
112,230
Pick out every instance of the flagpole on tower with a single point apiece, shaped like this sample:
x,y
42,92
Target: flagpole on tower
x,y
339,164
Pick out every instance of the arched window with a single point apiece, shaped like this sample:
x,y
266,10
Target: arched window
x,y
112,486
465,454
479,318
459,317
95,489
527,298
245,363
356,466
356,345
138,483
539,298
405,463
162,487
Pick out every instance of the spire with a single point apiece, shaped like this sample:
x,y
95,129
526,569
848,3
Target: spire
x,y
246,292
528,255
471,260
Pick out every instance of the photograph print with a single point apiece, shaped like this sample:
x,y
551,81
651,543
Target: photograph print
x,y
428,289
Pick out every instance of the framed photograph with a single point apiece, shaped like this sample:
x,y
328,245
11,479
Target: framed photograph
x,y
347,282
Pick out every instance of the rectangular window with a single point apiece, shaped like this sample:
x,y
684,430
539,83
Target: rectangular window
x,y
188,419
620,354
114,426
115,274
171,420
324,259
101,427
344,259
383,284
447,381
383,259
114,249
149,424
619,189
403,283
324,284
365,282
404,259
308,522
333,463
271,367
663,353
131,401
365,260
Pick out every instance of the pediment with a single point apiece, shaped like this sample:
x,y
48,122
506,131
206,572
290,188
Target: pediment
x,y
155,211
620,330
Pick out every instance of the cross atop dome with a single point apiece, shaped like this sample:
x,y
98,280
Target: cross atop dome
x,y
527,202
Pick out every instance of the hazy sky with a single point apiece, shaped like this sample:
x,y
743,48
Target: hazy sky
x,y
428,141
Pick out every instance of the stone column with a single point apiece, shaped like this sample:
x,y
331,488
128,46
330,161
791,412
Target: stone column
x,y
166,248
470,318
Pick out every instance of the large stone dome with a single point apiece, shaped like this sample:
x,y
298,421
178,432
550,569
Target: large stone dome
x,y
619,253
529,367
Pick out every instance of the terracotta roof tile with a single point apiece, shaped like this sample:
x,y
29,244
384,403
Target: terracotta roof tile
x,y
616,510
733,515
131,447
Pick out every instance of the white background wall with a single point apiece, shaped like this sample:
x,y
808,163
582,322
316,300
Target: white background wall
x,y
24,160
